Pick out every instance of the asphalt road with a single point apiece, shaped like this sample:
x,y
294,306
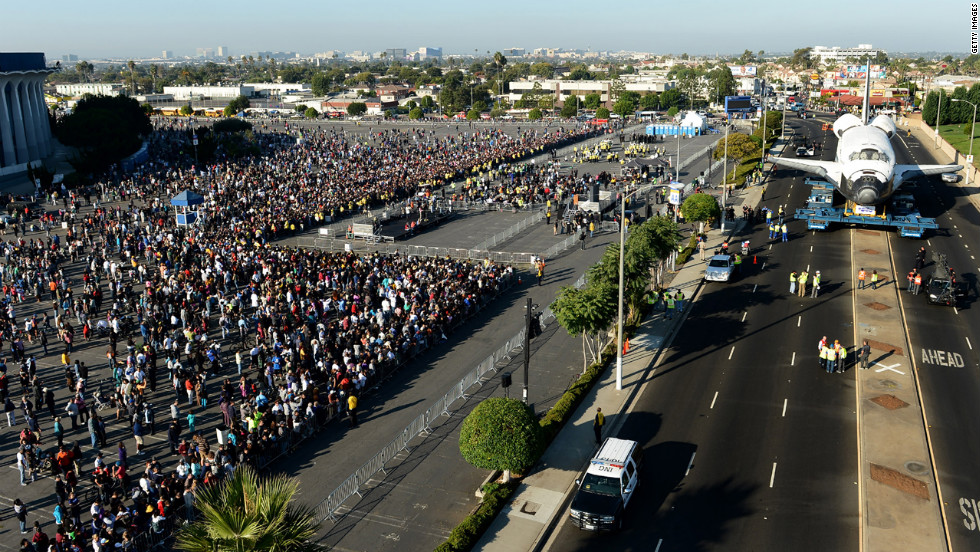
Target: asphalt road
x,y
944,344
749,444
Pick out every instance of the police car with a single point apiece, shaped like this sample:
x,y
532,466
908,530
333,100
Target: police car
x,y
608,486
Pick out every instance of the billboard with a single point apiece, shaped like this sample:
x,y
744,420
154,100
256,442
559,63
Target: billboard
x,y
738,104
860,71
743,70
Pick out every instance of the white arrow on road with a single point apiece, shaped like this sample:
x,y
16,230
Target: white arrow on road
x,y
888,367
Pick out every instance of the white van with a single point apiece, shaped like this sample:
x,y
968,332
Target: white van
x,y
607,486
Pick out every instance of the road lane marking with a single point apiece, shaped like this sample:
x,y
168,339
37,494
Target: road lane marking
x,y
785,402
772,478
755,287
799,320
888,367
968,344
689,466
792,361
763,266
770,247
657,549
929,242
744,314
712,407
807,269
811,249
731,353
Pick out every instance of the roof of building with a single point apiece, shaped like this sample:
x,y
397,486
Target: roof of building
x,y
16,62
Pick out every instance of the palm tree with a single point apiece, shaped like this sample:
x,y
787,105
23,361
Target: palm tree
x,y
132,75
245,514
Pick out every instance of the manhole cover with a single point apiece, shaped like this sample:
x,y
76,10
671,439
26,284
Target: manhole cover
x,y
884,384
871,251
918,468
877,306
891,402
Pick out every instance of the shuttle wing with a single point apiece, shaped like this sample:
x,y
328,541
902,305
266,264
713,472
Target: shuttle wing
x,y
904,173
828,170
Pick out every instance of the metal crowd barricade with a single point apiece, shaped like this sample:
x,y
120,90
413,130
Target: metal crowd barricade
x,y
328,507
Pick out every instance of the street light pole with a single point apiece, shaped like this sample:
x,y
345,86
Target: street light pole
x,y
972,128
527,345
724,180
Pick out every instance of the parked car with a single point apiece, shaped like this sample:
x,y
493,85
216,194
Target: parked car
x,y
951,177
720,268
804,152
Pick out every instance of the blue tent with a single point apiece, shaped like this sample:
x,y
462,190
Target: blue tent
x,y
186,199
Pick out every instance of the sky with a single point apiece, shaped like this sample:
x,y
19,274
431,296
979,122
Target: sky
x,y
123,29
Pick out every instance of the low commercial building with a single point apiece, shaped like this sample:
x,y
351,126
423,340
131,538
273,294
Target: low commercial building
x,y
278,88
181,93
76,89
565,90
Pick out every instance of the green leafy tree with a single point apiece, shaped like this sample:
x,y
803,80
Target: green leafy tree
x,y
500,434
722,83
245,513
701,208
534,114
774,123
311,113
624,106
670,98
543,69
237,105
356,108
472,115
320,83
233,124
427,102
602,113
650,102
300,108
740,146
186,110
592,101
570,109
673,111
104,129
415,113
586,312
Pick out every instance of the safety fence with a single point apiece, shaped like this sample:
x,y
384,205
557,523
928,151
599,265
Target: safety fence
x,y
328,507
503,236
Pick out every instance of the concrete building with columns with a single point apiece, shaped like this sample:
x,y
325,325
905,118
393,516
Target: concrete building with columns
x,y
25,133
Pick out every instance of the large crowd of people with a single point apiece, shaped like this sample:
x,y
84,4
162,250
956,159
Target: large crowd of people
x,y
278,339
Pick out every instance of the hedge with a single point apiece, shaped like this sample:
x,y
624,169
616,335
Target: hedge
x,y
685,254
465,535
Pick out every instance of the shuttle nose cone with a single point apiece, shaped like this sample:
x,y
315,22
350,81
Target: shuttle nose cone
x,y
867,190
867,196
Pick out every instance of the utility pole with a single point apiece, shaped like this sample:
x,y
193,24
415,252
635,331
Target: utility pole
x,y
527,344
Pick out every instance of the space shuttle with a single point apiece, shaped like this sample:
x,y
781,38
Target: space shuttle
x,y
864,170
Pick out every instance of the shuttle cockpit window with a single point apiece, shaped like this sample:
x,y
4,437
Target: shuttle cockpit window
x,y
869,155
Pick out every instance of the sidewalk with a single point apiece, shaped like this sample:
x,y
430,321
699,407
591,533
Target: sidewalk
x,y
538,505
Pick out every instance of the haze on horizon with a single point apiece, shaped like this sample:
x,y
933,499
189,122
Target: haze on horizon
x,y
112,28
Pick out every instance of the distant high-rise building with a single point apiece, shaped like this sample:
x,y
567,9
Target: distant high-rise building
x,y
69,57
396,53
168,54
205,52
513,52
223,52
426,52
